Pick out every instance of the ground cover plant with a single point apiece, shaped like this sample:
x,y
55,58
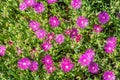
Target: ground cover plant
x,y
59,40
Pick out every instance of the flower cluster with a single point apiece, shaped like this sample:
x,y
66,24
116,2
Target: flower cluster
x,y
110,44
87,59
37,6
48,63
26,63
66,64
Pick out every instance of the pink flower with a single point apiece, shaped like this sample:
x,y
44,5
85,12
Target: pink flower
x,y
51,1
82,22
29,2
109,49
46,46
97,28
50,36
34,66
110,45
68,31
50,68
66,64
103,17
24,63
78,37
39,7
93,68
47,60
76,4
34,25
41,33
111,41
2,50
84,60
74,33
59,38
109,75
23,6
54,21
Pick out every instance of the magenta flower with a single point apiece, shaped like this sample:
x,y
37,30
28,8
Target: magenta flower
x,y
110,44
41,33
39,7
24,63
78,37
97,28
103,17
109,49
34,25
68,31
66,64
93,68
82,22
51,1
111,41
23,6
34,66
109,75
47,60
90,53
50,36
59,38
46,46
84,60
54,21
2,50
29,2
74,33
50,68
76,4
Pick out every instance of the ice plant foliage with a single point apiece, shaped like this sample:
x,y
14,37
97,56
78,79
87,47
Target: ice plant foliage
x,y
110,45
59,38
109,75
82,22
54,21
34,66
24,63
103,17
66,64
39,7
34,25
2,50
93,68
76,4
51,1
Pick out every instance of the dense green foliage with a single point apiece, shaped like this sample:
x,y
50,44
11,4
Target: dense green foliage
x,y
14,27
